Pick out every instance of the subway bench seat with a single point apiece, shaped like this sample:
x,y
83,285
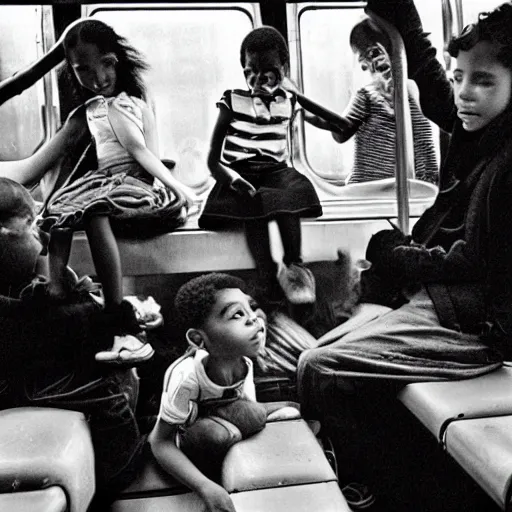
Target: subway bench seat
x,y
483,448
472,419
283,467
437,404
46,461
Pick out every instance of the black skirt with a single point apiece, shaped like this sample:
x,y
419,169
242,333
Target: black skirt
x,y
279,190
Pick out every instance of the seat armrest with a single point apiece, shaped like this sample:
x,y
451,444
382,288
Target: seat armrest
x,y
42,447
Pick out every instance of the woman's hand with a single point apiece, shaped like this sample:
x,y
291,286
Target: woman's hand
x,y
242,187
216,498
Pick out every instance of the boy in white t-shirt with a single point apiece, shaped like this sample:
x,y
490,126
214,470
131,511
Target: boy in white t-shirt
x,y
209,400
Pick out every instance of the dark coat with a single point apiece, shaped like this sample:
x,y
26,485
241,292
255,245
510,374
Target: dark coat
x,y
470,281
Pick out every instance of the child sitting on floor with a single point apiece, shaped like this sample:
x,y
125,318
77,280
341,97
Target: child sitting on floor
x,y
209,400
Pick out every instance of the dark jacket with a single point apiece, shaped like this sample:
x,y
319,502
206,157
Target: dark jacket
x,y
470,281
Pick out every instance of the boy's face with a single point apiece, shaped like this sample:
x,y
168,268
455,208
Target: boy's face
x,y
235,326
22,243
263,71
482,86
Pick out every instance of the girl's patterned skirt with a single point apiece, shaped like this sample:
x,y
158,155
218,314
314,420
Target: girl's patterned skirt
x,y
135,207
280,190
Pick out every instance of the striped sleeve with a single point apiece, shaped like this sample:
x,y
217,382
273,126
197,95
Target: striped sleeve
x,y
358,109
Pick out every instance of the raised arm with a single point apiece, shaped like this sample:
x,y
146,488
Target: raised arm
x,y
31,169
177,464
133,140
436,92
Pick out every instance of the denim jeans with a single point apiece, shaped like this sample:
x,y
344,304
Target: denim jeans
x,y
108,402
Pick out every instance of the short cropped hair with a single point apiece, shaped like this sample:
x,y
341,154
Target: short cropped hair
x,y
265,39
15,201
194,300
366,34
495,27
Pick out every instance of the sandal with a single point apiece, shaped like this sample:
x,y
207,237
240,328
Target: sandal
x,y
358,496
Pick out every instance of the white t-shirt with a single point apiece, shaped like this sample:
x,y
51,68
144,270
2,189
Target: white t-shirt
x,y
186,385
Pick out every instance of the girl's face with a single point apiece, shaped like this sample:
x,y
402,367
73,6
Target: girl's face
x,y
375,59
263,71
95,71
482,86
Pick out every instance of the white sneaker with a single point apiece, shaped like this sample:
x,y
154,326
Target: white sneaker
x,y
298,283
127,350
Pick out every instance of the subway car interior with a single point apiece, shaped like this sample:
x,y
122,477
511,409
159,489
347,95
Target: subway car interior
x,y
454,450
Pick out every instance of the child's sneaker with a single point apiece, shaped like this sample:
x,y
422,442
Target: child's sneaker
x,y
147,311
298,283
127,351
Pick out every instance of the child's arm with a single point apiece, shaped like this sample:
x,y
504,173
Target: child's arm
x,y
132,139
219,171
31,169
340,127
436,92
177,464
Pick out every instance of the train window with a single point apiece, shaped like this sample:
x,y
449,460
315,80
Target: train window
x,y
21,130
331,74
193,51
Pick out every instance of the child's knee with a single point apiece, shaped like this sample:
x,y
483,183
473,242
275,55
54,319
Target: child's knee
x,y
212,435
249,416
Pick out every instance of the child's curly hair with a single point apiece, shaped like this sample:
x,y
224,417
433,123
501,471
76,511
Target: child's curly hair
x,y
494,26
265,39
15,201
196,297
130,63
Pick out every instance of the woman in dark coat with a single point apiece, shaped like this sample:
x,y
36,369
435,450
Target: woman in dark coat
x,y
457,266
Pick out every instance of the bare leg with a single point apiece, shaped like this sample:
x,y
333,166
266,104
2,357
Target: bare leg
x,y
59,249
291,236
106,258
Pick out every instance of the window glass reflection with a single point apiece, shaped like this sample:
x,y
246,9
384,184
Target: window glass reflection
x,y
21,127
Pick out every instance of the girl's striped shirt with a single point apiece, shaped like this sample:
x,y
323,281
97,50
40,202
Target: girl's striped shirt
x,y
258,130
373,120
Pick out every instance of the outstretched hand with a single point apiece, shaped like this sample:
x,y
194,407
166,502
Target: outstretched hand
x,y
216,499
243,187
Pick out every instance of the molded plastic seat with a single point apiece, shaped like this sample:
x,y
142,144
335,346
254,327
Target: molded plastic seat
x,y
321,497
281,467
483,447
283,453
41,447
436,404
51,499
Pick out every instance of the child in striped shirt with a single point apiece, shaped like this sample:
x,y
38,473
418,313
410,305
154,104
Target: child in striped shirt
x,y
370,115
249,159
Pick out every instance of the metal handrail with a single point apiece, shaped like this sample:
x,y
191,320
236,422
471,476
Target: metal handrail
x,y
29,75
404,148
